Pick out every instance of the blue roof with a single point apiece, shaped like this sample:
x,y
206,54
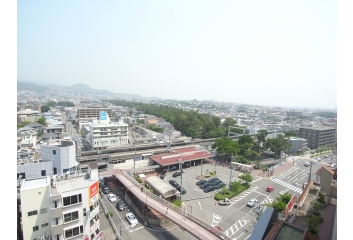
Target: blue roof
x,y
263,225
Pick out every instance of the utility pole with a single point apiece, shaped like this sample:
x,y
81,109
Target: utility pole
x,y
201,165
231,170
134,156
181,175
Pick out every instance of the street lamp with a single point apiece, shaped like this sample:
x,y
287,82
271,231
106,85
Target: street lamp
x,y
231,170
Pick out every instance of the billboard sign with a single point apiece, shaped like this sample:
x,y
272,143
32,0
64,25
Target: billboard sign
x,y
103,115
93,193
289,206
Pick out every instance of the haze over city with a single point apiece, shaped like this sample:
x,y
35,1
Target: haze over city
x,y
253,52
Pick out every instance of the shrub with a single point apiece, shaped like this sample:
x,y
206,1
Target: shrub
x,y
109,214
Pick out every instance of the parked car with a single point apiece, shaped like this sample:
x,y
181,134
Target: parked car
x,y
219,185
214,183
212,180
162,176
173,183
252,202
209,189
206,184
131,219
198,183
181,189
120,206
106,190
172,168
112,197
318,159
176,174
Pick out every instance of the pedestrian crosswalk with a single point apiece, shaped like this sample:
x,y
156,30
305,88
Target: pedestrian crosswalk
x,y
267,200
287,185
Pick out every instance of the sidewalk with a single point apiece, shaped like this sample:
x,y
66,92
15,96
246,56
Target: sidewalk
x,y
276,171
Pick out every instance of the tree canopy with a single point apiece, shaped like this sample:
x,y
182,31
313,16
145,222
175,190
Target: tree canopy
x,y
226,146
277,144
190,123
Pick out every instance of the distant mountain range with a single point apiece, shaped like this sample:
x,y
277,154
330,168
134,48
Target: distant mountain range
x,y
41,87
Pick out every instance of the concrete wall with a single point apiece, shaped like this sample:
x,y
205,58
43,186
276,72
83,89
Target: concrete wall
x,y
138,210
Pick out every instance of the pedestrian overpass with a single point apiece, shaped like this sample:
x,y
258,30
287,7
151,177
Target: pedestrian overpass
x,y
197,227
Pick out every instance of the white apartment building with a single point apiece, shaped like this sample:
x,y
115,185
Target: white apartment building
x,y
103,133
64,207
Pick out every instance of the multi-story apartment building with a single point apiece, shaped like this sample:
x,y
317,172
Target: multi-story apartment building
x,y
297,144
62,207
318,137
103,133
92,113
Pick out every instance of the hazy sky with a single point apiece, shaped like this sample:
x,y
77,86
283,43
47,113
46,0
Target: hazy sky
x,y
271,53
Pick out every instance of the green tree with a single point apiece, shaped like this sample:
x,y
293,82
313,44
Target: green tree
x,y
44,108
23,124
226,146
261,139
277,145
235,185
41,121
285,197
246,177
229,122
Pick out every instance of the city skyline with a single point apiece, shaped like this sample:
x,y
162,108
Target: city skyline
x,y
278,54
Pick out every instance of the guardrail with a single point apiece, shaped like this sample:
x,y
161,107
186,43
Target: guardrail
x,y
178,209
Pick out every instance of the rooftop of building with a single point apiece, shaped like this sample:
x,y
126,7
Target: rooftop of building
x,y
28,184
71,182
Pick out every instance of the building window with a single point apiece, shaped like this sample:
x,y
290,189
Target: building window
x,y
68,217
44,225
44,210
35,228
72,199
73,232
44,172
32,213
54,152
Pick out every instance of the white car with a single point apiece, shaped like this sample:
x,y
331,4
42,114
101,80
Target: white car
x,y
252,202
318,159
307,164
112,197
132,219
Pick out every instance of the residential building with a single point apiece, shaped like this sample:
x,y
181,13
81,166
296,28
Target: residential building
x,y
297,144
53,157
62,207
92,112
62,153
103,133
318,137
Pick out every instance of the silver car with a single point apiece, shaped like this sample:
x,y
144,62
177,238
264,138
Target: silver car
x,y
252,202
